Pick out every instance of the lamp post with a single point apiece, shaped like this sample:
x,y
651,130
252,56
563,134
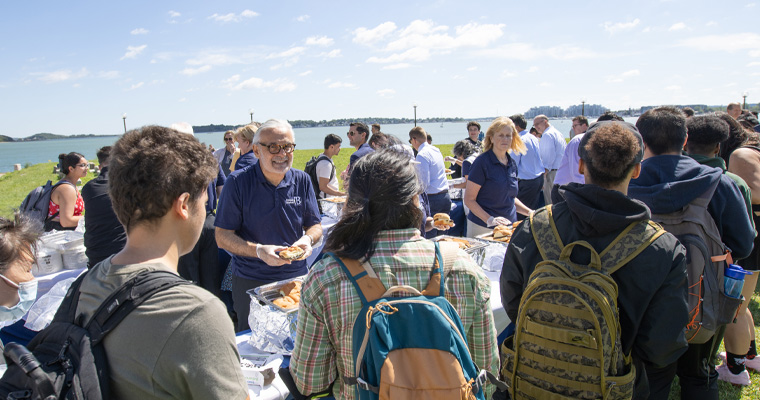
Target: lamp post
x,y
251,112
415,114
583,107
124,119
745,100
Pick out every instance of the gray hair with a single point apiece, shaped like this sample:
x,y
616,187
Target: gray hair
x,y
274,124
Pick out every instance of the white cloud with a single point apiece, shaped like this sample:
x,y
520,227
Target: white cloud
x,y
195,71
294,51
416,54
711,23
617,27
750,5
368,36
397,66
174,14
337,85
425,34
621,77
545,84
472,69
133,51
108,74
528,52
754,64
533,69
729,42
182,100
332,54
214,59
62,75
136,86
302,18
678,26
305,73
319,41
507,74
387,93
672,88
232,17
139,31
278,85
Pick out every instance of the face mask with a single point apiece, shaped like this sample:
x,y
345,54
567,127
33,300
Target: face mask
x,y
27,294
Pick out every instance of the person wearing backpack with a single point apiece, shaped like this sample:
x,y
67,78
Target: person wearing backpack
x,y
671,184
179,343
651,286
66,204
379,232
323,172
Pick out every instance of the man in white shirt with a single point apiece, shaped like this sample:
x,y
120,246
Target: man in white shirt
x,y
551,147
432,174
568,168
328,179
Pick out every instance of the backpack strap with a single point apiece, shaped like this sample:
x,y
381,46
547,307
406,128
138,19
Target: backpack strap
x,y
368,286
543,228
445,255
67,310
636,237
128,297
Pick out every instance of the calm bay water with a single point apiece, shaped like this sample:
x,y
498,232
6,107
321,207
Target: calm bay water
x,y
306,138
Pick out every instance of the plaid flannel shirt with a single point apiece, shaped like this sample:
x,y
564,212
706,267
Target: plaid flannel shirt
x,y
330,305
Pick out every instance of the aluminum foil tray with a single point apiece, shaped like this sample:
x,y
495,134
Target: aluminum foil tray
x,y
331,208
271,291
477,248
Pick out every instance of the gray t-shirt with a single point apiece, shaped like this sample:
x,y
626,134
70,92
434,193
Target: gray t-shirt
x,y
178,344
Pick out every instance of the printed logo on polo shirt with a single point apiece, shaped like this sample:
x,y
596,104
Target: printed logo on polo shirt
x,y
296,201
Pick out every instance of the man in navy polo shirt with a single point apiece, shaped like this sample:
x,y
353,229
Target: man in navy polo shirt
x,y
263,209
432,174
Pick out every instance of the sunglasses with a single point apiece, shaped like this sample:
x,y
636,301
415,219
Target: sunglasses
x,y
349,133
228,139
275,148
82,165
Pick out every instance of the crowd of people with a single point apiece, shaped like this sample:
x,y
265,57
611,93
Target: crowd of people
x,y
163,201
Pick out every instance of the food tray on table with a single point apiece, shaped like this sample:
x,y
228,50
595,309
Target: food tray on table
x,y
503,240
270,292
333,206
476,248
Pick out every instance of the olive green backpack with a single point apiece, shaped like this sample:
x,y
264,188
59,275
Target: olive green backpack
x,y
567,340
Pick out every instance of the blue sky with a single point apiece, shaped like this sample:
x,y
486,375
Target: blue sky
x,y
76,67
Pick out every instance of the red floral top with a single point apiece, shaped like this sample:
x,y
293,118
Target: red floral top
x,y
78,206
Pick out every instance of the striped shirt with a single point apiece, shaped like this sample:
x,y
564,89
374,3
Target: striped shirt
x,y
330,305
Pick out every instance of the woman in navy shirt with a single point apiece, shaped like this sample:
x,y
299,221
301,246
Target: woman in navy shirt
x,y
491,192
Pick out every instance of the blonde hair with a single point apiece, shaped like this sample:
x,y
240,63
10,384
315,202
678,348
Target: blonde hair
x,y
247,132
517,145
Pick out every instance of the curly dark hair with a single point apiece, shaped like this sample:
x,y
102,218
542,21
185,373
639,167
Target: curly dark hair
x,y
381,196
18,237
705,131
150,167
612,152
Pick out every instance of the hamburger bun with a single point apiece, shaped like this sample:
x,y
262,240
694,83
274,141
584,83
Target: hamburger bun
x,y
442,221
501,232
292,253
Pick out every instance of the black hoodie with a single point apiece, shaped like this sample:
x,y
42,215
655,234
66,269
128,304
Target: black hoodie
x,y
651,286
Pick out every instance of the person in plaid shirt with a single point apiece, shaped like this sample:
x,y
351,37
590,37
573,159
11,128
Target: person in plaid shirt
x,y
380,226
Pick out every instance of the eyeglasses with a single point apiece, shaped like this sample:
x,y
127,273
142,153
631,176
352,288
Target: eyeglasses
x,y
228,139
275,148
349,133
82,165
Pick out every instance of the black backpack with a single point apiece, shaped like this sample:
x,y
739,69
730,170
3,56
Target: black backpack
x,y
311,169
66,360
36,204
